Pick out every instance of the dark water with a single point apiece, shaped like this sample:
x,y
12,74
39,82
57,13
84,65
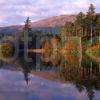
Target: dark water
x,y
50,77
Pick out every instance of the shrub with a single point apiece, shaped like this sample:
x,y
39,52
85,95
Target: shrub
x,y
7,50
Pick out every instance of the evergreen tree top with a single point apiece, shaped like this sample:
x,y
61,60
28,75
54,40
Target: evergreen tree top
x,y
27,24
91,9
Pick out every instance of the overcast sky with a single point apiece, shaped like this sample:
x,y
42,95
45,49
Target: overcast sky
x,y
14,12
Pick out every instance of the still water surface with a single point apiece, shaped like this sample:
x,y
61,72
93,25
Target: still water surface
x,y
51,77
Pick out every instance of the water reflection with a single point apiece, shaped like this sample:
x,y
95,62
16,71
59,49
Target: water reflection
x,y
54,72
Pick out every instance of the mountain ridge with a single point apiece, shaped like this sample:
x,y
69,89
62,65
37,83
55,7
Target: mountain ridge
x,y
53,22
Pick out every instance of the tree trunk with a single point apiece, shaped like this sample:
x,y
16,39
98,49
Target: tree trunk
x,y
80,52
99,37
91,34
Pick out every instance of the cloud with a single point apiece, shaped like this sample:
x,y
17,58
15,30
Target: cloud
x,y
16,11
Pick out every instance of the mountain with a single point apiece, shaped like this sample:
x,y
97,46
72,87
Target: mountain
x,y
10,29
50,24
55,21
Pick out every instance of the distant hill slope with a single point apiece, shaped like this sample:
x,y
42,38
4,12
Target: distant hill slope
x,y
55,21
48,24
10,29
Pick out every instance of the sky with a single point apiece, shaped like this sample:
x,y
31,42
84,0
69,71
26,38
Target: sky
x,y
13,12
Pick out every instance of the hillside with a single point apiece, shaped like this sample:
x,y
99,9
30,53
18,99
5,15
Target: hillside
x,y
48,24
55,21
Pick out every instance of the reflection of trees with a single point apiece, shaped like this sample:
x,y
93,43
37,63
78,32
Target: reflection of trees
x,y
85,77
47,65
1,63
26,68
54,58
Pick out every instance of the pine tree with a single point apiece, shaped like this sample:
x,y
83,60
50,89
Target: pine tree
x,y
98,27
90,20
27,24
79,23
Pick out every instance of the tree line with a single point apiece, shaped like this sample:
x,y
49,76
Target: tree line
x,y
86,25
